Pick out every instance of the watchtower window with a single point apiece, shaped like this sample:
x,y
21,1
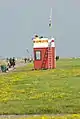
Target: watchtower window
x,y
37,55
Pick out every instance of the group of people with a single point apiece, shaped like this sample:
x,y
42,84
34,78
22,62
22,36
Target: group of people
x,y
27,59
11,62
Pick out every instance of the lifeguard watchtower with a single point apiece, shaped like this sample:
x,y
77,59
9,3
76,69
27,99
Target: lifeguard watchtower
x,y
44,53
44,50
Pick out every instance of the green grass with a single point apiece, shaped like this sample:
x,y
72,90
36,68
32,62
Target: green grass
x,y
44,91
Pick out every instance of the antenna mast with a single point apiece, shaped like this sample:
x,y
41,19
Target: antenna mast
x,y
50,23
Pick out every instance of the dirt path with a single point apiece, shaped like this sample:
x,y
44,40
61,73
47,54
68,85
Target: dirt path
x,y
18,64
27,116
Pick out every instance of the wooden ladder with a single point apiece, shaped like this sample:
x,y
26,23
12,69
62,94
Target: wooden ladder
x,y
44,59
50,56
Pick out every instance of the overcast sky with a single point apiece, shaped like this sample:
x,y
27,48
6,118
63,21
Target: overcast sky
x,y
21,19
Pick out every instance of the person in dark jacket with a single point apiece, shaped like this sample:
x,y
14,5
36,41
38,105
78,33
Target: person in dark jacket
x,y
25,59
10,61
13,61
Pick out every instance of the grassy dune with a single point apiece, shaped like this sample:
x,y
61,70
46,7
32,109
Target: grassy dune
x,y
3,62
54,91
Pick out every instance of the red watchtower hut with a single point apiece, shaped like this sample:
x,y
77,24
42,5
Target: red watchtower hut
x,y
44,53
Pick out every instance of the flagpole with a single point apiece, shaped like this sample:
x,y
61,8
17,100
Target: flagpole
x,y
50,23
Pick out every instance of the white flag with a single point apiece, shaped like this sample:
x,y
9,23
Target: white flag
x,y
50,19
